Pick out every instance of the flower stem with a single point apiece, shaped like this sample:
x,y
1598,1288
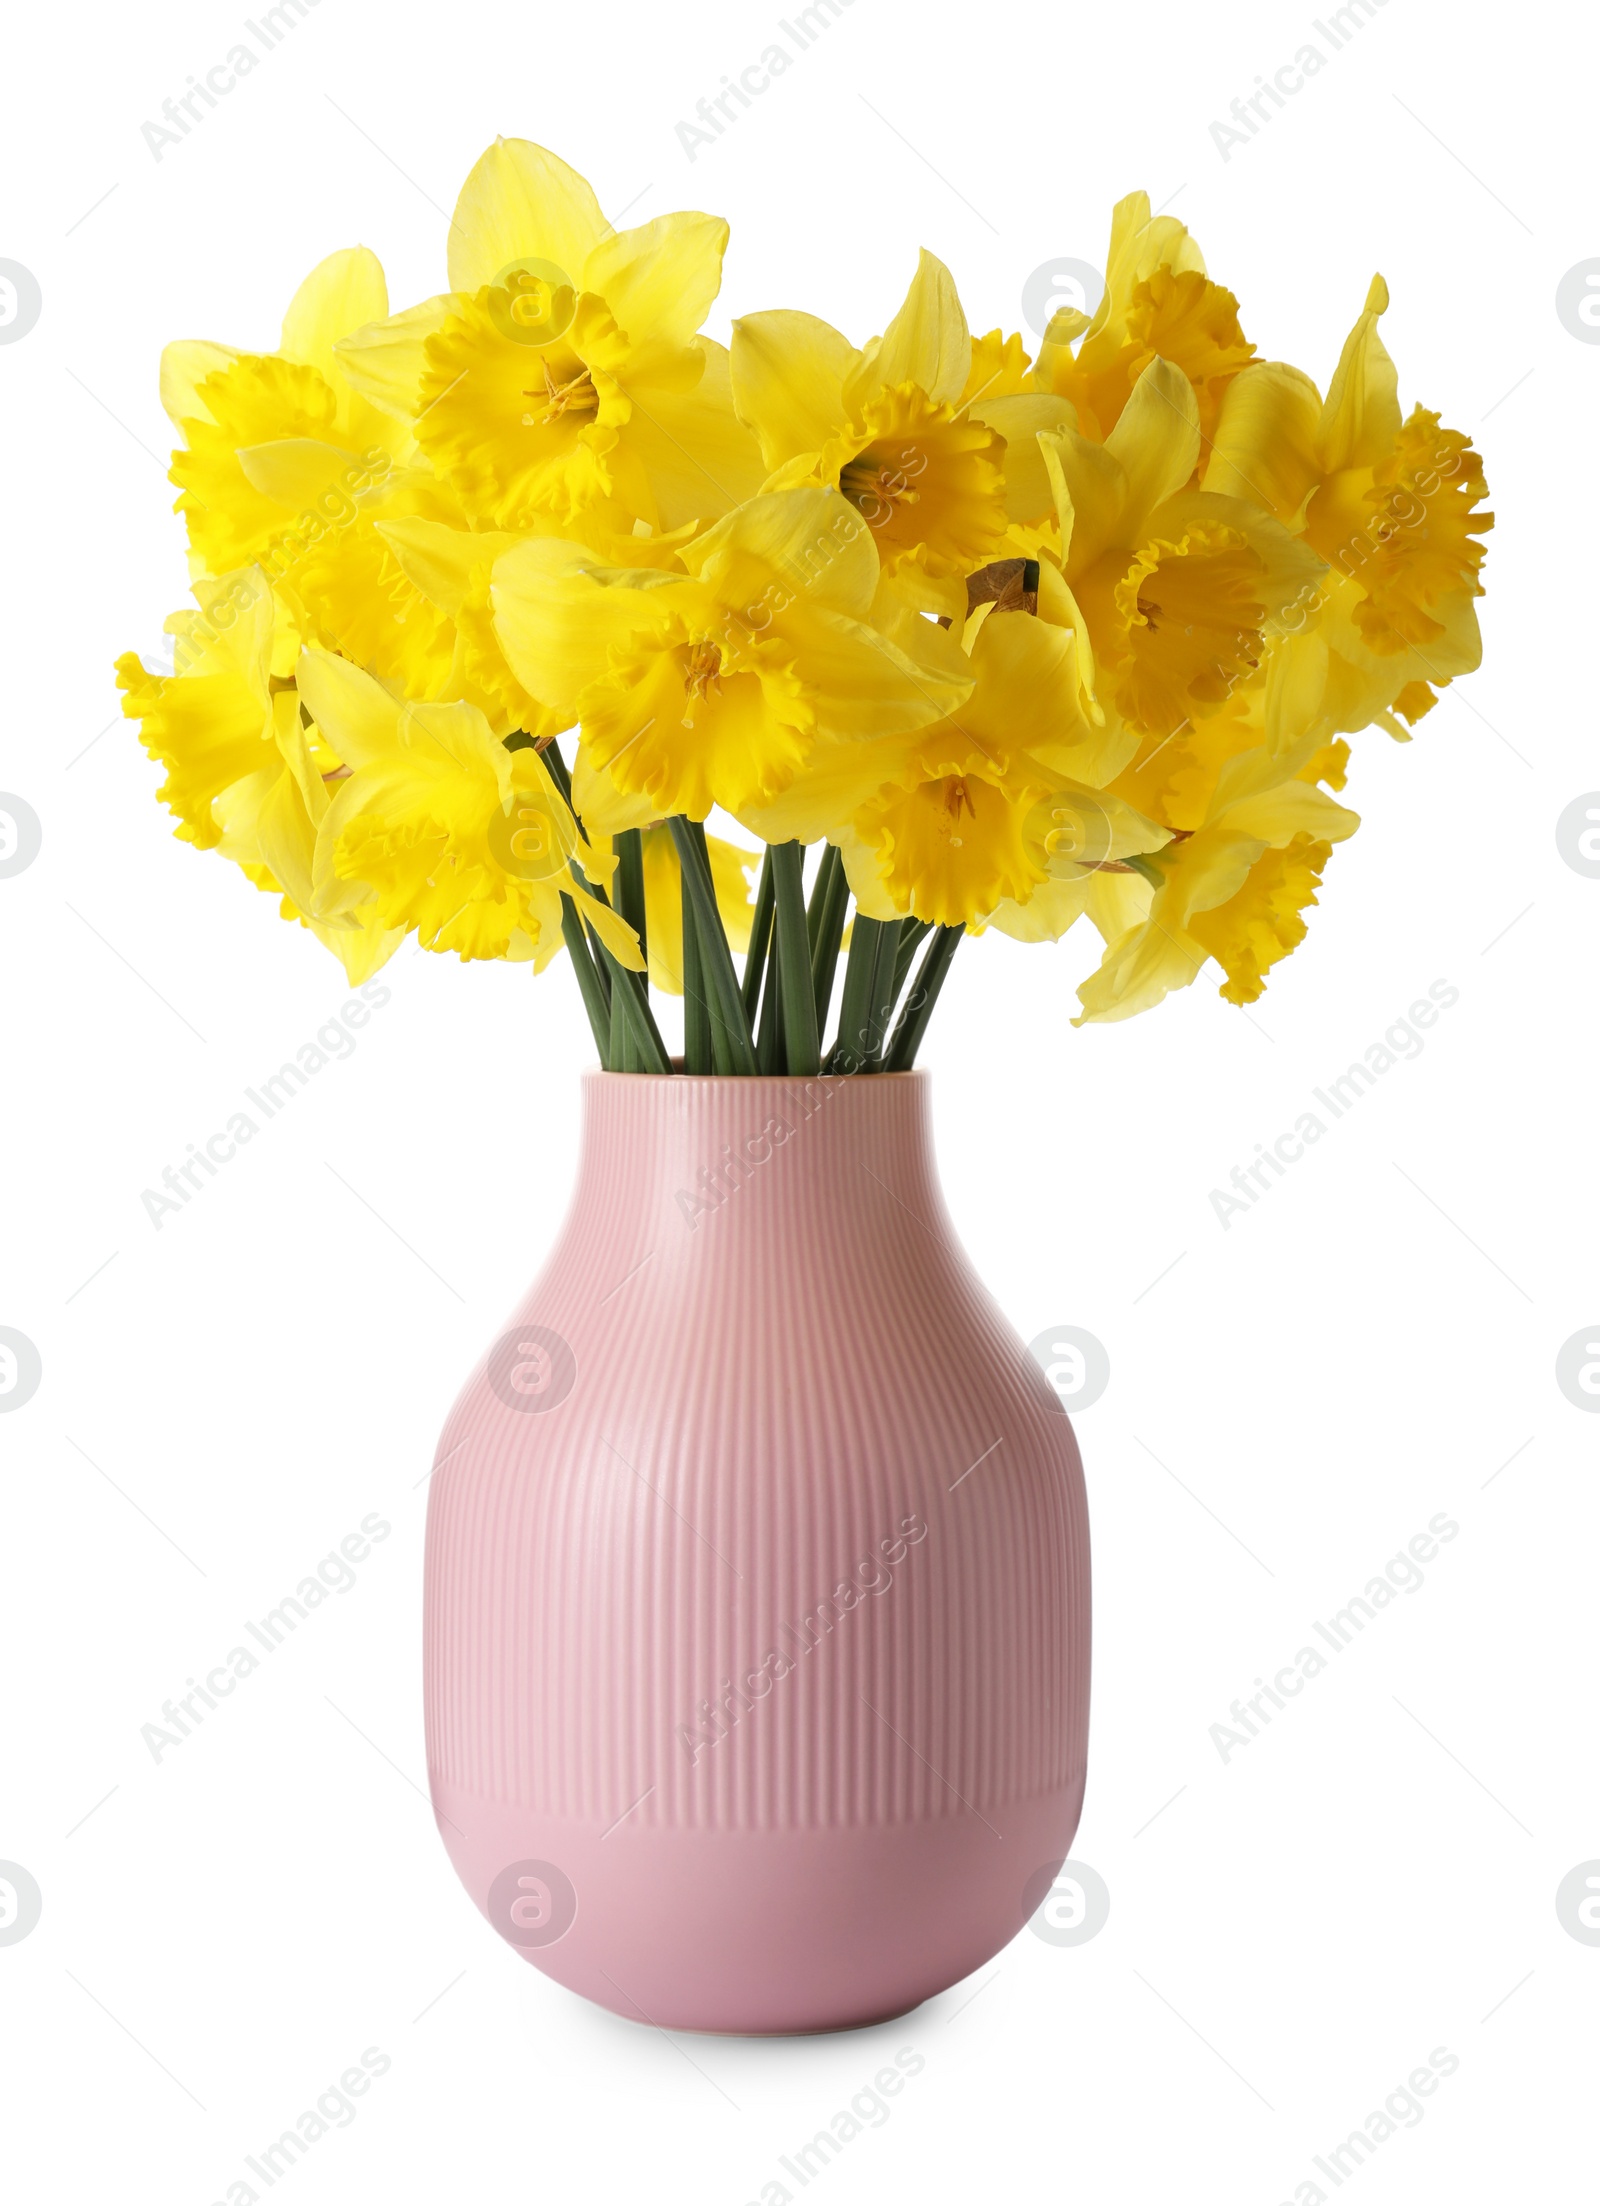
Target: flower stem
x,y
802,1050
696,1016
919,1005
755,956
911,933
880,1003
830,899
594,1000
716,960
849,1050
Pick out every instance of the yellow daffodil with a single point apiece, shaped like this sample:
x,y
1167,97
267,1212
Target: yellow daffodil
x,y
453,834
1180,589
278,445
1390,504
711,686
1233,888
1158,303
1025,640
979,809
247,775
562,374
886,426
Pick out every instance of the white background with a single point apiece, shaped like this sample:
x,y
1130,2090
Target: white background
x,y
1291,1932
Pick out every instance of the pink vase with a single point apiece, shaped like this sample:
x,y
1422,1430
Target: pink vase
x,y
757,1576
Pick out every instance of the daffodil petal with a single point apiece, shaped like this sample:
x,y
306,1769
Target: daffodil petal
x,y
521,202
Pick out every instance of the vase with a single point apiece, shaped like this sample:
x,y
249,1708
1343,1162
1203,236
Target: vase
x,y
757,1584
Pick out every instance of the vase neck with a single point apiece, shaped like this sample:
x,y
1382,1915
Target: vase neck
x,y
789,1155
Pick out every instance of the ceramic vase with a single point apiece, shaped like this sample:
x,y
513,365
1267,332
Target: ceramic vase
x,y
757,1608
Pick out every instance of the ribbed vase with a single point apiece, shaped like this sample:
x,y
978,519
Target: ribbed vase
x,y
757,1633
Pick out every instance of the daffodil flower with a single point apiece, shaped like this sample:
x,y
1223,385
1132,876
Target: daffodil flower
x,y
246,775
886,425
1392,505
446,829
981,808
713,685
562,374
1180,589
1233,889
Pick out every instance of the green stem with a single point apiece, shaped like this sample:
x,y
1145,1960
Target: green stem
x,y
755,956
769,1035
802,1049
881,1002
716,960
594,1001
919,1004
911,933
855,1003
696,1017
830,900
629,847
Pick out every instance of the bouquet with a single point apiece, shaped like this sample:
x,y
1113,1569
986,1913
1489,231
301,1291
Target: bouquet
x,y
500,598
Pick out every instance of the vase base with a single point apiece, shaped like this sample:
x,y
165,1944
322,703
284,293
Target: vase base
x,y
797,1933
815,2029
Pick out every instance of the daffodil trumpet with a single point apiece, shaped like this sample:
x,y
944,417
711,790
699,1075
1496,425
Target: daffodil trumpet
x,y
530,618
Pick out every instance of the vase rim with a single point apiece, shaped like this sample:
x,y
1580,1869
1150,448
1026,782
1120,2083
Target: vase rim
x,y
595,1074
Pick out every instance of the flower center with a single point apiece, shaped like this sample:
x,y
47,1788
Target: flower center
x,y
878,485
576,396
702,675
